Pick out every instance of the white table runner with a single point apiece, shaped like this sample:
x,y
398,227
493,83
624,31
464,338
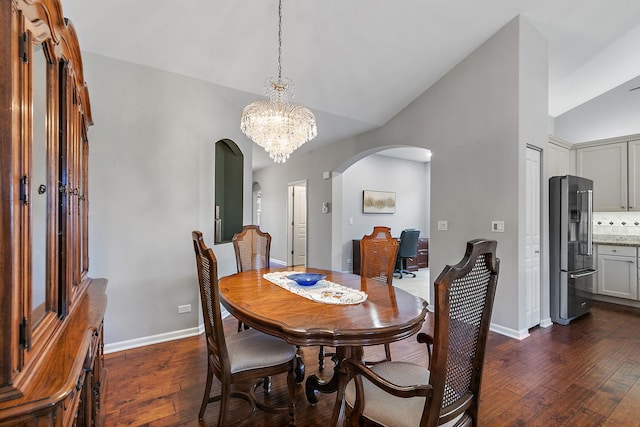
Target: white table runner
x,y
323,291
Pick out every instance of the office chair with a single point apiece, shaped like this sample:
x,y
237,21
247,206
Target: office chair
x,y
408,249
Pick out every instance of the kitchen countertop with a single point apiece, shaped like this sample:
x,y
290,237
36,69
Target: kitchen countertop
x,y
616,239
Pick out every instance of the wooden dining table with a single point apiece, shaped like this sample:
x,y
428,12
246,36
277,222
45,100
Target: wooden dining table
x,y
388,314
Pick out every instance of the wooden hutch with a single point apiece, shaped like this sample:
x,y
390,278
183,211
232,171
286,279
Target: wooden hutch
x,y
51,312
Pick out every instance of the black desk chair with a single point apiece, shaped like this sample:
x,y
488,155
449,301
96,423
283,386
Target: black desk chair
x,y
408,249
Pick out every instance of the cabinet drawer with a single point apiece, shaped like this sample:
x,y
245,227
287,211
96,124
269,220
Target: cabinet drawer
x,y
616,250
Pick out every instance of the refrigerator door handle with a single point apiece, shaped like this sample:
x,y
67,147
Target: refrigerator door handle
x,y
581,275
590,223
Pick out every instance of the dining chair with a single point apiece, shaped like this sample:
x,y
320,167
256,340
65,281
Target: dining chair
x,y
246,356
378,252
446,391
252,247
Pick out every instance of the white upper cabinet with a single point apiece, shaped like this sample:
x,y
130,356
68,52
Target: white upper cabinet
x,y
606,166
558,158
634,175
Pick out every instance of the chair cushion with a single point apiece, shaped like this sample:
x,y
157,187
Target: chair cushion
x,y
386,409
251,349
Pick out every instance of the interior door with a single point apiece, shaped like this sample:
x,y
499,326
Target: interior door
x,y
300,225
297,229
532,237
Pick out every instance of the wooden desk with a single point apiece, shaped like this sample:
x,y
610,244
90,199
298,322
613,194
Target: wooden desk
x,y
413,264
389,314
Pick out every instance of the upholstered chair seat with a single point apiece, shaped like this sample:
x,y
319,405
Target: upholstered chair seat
x,y
250,349
389,410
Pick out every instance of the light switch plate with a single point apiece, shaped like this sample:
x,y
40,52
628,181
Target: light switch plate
x,y
442,225
497,226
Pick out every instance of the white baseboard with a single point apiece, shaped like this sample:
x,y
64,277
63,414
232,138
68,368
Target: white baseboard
x,y
153,339
508,332
545,323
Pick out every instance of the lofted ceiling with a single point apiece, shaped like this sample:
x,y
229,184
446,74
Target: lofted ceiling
x,y
357,63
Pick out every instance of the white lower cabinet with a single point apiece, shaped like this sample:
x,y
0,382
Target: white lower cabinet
x,y
618,271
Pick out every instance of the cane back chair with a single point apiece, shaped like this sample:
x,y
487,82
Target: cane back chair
x,y
252,247
378,252
447,391
241,357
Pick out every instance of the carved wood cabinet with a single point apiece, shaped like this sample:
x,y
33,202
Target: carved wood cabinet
x,y
51,312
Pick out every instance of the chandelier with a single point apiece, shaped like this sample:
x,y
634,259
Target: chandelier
x,y
277,124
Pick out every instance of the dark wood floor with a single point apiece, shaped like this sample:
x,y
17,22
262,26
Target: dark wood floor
x,y
584,374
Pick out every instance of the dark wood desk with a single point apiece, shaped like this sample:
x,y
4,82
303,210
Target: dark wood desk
x,y
389,314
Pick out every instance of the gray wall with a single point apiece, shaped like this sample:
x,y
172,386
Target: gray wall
x,y
151,178
477,121
408,179
614,113
151,183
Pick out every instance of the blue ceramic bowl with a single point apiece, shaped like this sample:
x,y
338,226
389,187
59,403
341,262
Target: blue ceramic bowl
x,y
306,279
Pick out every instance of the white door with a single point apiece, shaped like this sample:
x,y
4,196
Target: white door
x,y
532,238
300,225
297,229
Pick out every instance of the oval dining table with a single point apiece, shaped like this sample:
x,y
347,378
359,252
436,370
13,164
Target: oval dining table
x,y
388,314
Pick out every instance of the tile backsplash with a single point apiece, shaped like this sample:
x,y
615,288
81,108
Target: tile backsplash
x,y
616,223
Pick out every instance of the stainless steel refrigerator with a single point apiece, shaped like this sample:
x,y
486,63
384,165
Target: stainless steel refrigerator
x,y
571,248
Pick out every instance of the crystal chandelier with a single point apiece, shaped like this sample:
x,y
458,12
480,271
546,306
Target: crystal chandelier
x,y
278,125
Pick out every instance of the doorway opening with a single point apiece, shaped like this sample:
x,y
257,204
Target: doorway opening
x,y
257,203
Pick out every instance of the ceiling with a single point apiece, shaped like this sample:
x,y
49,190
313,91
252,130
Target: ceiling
x,y
357,63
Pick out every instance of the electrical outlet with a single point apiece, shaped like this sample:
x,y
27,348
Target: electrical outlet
x,y
349,261
184,308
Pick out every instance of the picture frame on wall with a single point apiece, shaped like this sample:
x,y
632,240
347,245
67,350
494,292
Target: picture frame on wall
x,y
378,202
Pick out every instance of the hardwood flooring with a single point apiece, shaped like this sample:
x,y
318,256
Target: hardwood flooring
x,y
584,374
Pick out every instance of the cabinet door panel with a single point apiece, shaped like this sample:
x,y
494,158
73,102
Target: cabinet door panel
x,y
606,166
617,276
558,160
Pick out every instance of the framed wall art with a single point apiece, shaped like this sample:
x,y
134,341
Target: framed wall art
x,y
383,202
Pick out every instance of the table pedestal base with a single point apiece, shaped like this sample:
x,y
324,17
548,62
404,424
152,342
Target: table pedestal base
x,y
314,384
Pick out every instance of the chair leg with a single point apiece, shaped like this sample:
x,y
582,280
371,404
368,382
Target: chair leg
x,y
409,272
387,352
291,387
207,392
225,391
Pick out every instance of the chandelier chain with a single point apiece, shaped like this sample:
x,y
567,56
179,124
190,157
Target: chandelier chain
x,y
280,40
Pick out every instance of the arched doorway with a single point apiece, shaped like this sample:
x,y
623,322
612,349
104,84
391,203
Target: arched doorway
x,y
407,174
